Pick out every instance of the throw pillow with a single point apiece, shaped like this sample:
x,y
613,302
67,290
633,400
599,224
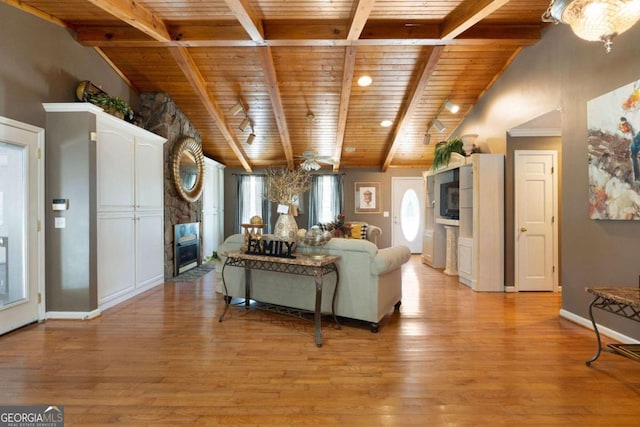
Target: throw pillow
x,y
363,232
356,231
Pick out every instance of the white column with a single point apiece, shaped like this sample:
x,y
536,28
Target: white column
x,y
451,262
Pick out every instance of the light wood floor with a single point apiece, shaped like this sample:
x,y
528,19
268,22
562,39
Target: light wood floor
x,y
450,357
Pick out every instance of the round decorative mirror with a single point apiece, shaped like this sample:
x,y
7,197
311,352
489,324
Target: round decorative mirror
x,y
188,169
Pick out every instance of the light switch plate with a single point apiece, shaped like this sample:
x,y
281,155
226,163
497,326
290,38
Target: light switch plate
x,y
59,222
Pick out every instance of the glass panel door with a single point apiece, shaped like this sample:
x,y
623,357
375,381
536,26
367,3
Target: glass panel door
x,y
21,208
13,217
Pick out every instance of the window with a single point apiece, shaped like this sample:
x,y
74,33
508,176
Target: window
x,y
250,202
325,198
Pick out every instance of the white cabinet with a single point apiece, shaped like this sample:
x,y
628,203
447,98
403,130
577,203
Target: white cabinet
x,y
149,174
484,222
480,246
212,207
128,201
130,178
116,256
149,248
429,220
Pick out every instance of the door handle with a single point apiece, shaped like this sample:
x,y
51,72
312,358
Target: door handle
x,y
523,229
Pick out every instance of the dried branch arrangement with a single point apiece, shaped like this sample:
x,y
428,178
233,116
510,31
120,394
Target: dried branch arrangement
x,y
284,184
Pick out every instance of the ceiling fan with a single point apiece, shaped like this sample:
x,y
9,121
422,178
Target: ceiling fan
x,y
311,159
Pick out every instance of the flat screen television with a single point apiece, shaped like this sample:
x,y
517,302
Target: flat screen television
x,y
450,200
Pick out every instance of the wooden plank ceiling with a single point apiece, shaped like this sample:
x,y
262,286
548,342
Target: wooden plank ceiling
x,y
284,59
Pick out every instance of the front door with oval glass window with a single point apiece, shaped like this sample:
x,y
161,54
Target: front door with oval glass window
x,y
407,212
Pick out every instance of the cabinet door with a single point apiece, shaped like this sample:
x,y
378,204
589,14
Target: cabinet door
x,y
149,248
114,155
115,233
149,162
465,261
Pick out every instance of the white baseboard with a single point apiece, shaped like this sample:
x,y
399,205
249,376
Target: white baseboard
x,y
104,305
73,315
602,329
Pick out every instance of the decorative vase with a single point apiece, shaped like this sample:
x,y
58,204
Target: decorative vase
x,y
286,228
469,143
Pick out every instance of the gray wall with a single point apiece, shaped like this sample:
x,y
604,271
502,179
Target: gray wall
x,y
564,72
41,62
351,176
71,252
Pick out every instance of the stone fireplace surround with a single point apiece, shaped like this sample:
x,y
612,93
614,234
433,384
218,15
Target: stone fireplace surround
x,y
160,115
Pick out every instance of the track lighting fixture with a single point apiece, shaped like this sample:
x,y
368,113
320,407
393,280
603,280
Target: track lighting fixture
x,y
453,108
438,125
244,123
237,108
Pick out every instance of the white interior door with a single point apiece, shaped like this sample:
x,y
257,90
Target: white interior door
x,y
407,210
21,208
535,220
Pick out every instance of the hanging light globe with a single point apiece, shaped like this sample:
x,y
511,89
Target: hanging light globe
x,y
595,20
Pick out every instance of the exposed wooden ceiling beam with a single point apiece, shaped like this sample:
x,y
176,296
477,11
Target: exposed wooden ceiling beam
x,y
136,15
247,18
36,12
191,72
414,99
360,17
467,14
345,96
376,33
271,83
115,68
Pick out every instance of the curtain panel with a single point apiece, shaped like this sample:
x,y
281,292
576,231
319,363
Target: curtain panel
x,y
251,191
326,199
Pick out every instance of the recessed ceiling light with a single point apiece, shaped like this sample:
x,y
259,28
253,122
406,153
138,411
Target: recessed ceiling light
x,y
349,149
365,81
386,123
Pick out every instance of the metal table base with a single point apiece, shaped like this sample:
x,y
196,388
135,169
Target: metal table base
x,y
624,302
304,265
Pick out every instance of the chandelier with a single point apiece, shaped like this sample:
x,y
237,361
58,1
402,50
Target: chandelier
x,y
594,20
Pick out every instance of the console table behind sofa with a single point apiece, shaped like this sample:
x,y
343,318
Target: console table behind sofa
x,y
370,279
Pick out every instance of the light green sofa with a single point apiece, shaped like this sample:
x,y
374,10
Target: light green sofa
x,y
370,280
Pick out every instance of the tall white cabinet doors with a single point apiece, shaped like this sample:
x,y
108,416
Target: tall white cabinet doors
x,y
149,174
212,202
130,188
129,168
116,256
115,166
149,248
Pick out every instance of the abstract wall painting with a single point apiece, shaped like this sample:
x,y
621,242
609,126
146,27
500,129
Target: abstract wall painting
x,y
614,147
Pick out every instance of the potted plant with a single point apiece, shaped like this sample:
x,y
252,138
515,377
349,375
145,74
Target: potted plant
x,y
442,152
111,104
